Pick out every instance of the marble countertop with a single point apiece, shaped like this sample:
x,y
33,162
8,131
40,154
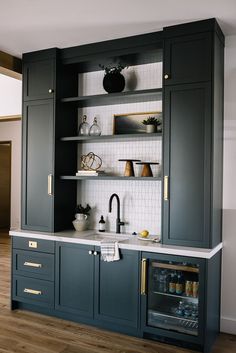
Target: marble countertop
x,y
126,241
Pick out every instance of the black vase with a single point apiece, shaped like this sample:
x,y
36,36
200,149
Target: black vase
x,y
113,82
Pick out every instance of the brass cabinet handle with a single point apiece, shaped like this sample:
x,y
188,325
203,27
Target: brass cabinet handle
x,y
166,77
32,264
50,90
50,184
33,244
166,188
32,291
143,276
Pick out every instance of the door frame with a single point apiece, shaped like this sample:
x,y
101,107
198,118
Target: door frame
x,y
9,143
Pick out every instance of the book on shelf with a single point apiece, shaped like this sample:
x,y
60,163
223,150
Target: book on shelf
x,y
89,172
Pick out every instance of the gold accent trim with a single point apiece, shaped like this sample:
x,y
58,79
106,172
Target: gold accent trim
x,y
32,264
143,276
166,188
10,118
32,291
50,184
33,244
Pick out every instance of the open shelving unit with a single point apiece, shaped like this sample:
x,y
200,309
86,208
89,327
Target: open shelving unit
x,y
109,177
111,138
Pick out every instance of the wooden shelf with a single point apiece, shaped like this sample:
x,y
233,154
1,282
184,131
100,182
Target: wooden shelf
x,y
114,138
176,267
146,95
108,177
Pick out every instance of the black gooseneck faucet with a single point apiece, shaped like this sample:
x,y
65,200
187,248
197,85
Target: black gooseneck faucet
x,y
118,221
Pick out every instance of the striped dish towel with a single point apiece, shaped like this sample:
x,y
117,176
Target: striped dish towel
x,y
109,250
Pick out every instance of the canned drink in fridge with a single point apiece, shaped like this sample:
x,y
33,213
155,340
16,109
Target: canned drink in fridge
x,y
195,289
189,288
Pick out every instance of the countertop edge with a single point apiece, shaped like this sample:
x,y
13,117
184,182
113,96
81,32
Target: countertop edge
x,y
131,244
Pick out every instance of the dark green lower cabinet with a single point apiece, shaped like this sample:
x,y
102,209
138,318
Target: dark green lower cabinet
x,y
88,287
117,290
74,279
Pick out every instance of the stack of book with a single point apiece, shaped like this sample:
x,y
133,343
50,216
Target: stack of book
x,y
89,172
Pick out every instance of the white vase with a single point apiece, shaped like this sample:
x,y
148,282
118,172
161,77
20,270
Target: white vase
x,y
151,129
80,223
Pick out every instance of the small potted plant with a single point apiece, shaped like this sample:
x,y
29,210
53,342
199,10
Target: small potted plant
x,y
113,80
151,124
81,217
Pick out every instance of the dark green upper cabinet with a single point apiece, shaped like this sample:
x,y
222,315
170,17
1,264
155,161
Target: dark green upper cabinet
x,y
193,135
188,59
39,79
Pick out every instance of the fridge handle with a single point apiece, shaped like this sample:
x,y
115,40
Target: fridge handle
x,y
143,276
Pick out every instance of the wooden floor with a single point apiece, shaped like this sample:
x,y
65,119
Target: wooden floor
x,y
22,331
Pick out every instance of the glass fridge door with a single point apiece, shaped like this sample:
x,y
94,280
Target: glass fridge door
x,y
172,301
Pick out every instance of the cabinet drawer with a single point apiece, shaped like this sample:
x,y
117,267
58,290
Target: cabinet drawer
x,y
33,244
33,291
33,264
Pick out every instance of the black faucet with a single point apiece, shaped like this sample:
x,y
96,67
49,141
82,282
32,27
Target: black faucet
x,y
118,221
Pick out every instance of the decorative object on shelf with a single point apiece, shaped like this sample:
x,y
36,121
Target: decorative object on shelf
x,y
95,129
113,80
84,126
81,218
147,171
91,161
132,123
92,173
151,124
129,167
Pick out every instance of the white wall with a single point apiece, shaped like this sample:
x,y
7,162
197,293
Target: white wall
x,y
228,309
10,104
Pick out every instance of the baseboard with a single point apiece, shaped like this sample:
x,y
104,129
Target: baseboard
x,y
228,325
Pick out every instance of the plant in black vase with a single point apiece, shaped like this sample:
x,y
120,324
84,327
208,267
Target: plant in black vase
x,y
113,80
151,124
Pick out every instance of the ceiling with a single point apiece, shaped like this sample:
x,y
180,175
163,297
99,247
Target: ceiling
x,y
29,25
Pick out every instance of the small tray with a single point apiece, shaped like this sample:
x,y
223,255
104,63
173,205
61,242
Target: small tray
x,y
150,238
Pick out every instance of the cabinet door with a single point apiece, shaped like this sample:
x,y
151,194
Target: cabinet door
x,y
187,59
74,279
38,79
187,156
117,290
37,170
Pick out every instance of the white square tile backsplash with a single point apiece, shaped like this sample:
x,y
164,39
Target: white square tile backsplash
x,y
140,200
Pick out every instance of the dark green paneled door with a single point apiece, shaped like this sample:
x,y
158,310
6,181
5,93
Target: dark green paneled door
x,y
187,151
117,290
37,169
74,279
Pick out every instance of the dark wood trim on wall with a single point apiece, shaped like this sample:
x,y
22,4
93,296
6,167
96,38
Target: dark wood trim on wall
x,y
10,65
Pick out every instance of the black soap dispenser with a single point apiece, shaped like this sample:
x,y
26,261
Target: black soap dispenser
x,y
102,225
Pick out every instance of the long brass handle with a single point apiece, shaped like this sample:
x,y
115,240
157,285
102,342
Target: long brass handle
x,y
166,188
32,264
143,276
50,184
32,291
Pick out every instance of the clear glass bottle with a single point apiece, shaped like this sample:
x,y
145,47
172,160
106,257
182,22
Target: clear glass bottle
x,y
95,129
84,127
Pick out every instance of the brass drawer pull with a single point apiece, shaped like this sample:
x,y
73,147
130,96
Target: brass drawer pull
x,y
50,184
32,291
143,276
32,264
33,244
166,188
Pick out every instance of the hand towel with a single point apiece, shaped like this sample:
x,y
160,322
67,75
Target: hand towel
x,y
109,250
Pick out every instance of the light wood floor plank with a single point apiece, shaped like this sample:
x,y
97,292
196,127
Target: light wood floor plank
x,y
26,332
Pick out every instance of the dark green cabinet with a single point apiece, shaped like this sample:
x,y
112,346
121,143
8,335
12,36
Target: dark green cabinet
x,y
188,58
39,79
117,290
37,168
74,279
187,146
88,287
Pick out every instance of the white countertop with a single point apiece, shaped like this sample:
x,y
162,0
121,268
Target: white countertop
x,y
126,241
